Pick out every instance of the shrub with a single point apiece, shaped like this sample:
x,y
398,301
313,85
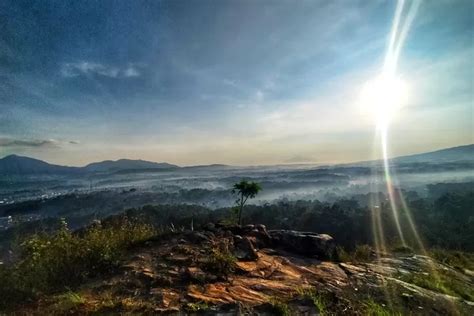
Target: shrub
x,y
341,255
53,263
362,253
458,259
221,261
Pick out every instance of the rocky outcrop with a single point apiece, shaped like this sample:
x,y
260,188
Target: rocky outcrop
x,y
249,238
321,246
176,274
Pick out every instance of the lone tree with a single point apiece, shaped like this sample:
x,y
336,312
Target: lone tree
x,y
245,190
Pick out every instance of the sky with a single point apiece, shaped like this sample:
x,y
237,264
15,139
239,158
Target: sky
x,y
235,82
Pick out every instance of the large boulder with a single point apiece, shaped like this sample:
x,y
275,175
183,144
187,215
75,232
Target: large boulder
x,y
244,248
262,238
321,246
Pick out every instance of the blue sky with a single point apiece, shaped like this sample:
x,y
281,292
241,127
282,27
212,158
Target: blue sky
x,y
238,82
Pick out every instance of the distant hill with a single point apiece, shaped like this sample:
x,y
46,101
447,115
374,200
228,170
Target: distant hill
x,y
126,164
18,165
460,153
207,167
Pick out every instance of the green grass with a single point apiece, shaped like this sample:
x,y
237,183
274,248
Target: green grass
x,y
67,302
442,283
456,259
318,299
280,308
54,263
221,261
361,253
372,308
197,307
402,249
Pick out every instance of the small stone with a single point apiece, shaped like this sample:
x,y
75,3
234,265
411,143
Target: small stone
x,y
195,274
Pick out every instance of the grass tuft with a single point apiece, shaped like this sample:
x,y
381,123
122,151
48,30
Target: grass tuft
x,y
221,260
318,299
372,308
280,308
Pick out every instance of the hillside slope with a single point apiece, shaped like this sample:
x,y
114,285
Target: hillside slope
x,y
18,165
460,153
126,164
233,270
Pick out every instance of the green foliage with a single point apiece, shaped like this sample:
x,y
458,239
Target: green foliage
x,y
372,308
53,263
341,255
457,259
197,307
245,190
361,253
233,216
402,249
318,299
67,302
441,282
221,261
280,308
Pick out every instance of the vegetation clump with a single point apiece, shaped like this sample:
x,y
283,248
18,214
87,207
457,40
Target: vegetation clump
x,y
361,253
441,282
280,308
221,261
318,299
458,259
372,308
197,307
56,262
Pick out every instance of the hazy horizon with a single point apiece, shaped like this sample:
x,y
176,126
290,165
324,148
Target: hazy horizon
x,y
241,165
231,82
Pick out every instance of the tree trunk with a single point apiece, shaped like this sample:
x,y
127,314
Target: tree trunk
x,y
241,208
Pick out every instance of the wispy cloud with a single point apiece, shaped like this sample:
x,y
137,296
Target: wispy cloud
x,y
85,68
300,159
33,143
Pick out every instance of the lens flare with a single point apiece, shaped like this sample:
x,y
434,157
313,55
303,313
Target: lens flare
x,y
384,96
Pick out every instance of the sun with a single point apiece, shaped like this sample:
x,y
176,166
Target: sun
x,y
383,97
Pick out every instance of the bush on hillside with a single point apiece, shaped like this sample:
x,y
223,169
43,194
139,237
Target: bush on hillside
x,y
53,263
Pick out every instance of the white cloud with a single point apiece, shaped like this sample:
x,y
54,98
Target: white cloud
x,y
20,142
131,71
71,70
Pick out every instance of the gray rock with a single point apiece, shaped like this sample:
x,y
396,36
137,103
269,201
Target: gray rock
x,y
210,227
244,249
321,246
263,239
197,237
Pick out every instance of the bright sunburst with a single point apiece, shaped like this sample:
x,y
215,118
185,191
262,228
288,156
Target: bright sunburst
x,y
384,96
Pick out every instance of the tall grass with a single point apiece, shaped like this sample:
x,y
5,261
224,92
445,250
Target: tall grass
x,y
54,263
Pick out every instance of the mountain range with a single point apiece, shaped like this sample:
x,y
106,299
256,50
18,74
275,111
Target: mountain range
x,y
19,165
